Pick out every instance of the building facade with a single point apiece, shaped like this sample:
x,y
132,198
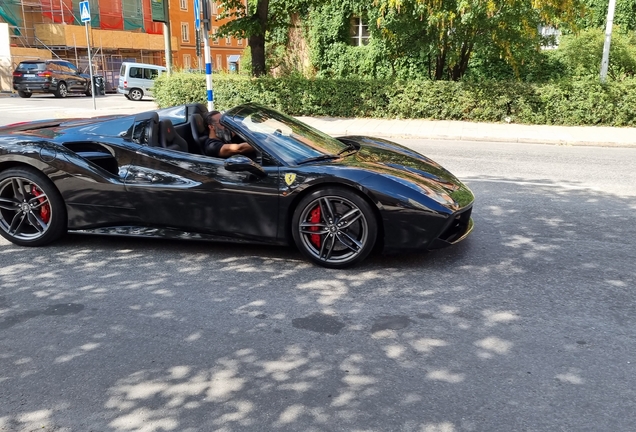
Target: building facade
x,y
225,52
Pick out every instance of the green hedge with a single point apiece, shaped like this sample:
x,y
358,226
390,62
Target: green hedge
x,y
584,102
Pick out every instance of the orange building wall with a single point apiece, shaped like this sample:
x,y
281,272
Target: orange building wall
x,y
220,49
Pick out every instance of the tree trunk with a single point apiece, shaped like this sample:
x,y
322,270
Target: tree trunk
x,y
257,47
257,41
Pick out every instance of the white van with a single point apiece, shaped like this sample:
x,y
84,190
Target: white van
x,y
136,79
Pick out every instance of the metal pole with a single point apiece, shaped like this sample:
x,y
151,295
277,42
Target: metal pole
x,y
608,39
90,65
167,37
62,8
76,58
207,17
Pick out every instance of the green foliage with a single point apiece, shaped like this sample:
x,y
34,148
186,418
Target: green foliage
x,y
582,54
581,102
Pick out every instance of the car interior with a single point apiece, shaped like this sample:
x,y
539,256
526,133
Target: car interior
x,y
187,135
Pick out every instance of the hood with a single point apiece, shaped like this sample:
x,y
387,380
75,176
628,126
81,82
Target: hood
x,y
407,166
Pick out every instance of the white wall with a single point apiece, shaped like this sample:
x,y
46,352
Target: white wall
x,y
5,59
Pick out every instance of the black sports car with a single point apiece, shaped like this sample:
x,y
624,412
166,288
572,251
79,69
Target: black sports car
x,y
145,175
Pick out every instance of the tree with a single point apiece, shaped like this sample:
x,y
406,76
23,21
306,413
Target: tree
x,y
448,32
260,22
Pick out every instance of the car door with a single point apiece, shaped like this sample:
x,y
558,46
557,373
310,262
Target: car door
x,y
79,82
150,75
196,193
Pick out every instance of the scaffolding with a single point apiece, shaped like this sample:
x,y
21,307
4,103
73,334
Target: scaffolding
x,y
30,20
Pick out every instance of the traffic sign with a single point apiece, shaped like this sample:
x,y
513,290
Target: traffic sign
x,y
197,14
85,11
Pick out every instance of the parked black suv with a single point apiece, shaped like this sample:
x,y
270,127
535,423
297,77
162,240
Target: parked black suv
x,y
50,76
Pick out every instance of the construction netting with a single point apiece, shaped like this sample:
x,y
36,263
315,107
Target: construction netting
x,y
10,13
150,26
94,8
111,15
133,14
105,14
58,11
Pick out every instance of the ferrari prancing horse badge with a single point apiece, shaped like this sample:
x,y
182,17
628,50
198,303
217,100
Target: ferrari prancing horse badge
x,y
290,178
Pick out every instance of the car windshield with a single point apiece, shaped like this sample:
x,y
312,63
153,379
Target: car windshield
x,y
26,66
289,139
177,115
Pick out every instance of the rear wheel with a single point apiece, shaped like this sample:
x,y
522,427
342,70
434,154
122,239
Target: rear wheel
x,y
24,94
32,212
334,227
136,94
62,90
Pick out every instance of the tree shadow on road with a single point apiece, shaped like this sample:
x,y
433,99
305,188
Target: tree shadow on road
x,y
505,331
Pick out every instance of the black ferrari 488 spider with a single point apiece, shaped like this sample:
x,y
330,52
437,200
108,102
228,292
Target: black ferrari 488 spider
x,y
336,199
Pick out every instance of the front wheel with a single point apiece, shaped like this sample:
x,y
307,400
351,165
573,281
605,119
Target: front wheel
x,y
136,94
32,212
24,94
334,227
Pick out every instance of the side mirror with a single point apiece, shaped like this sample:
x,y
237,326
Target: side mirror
x,y
243,163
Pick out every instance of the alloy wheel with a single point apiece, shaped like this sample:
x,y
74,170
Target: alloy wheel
x,y
333,229
25,210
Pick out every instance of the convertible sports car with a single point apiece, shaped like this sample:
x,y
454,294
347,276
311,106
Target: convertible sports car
x,y
145,175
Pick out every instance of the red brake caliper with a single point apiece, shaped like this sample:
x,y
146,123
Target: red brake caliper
x,y
315,218
45,210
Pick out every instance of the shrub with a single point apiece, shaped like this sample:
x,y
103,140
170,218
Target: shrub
x,y
578,102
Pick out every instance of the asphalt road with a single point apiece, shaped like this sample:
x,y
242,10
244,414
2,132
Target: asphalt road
x,y
528,325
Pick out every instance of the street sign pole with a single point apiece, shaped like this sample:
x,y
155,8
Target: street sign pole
x,y
207,25
85,16
608,39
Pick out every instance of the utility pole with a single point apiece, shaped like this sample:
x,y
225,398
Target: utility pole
x,y
207,26
608,39
167,38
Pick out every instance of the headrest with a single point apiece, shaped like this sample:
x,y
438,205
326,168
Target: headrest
x,y
198,123
167,130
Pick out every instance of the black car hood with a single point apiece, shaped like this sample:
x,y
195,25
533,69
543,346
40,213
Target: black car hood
x,y
405,165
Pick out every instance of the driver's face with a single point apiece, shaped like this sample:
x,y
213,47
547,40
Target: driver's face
x,y
216,121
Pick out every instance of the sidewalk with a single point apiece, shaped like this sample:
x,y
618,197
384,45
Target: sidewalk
x,y
467,131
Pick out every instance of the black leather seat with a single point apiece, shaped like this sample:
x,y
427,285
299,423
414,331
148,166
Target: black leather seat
x,y
169,138
199,133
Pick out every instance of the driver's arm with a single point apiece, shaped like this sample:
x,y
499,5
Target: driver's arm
x,y
233,149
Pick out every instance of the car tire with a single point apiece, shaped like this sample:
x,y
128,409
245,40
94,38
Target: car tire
x,y
62,90
136,94
24,94
32,211
89,91
334,227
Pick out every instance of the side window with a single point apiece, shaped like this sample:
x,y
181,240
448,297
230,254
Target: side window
x,y
136,72
151,73
72,67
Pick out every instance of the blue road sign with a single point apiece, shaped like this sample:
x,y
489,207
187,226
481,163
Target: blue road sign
x,y
197,14
85,11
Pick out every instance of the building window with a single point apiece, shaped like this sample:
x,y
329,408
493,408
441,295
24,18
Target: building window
x,y
183,4
239,41
215,39
185,32
228,40
219,62
215,8
359,32
187,61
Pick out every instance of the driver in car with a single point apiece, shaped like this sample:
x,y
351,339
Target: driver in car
x,y
221,143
